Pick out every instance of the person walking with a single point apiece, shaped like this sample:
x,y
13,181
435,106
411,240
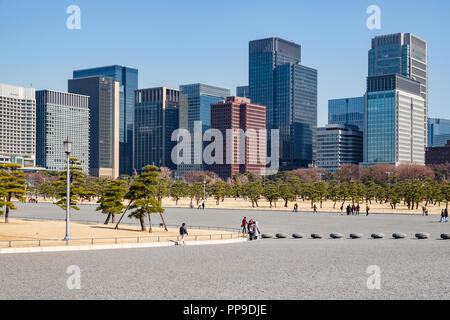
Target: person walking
x,y
358,208
442,216
315,208
423,211
342,209
183,232
367,210
244,225
348,210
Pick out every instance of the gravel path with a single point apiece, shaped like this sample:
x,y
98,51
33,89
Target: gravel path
x,y
266,269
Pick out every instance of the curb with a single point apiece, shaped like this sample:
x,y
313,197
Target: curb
x,y
115,246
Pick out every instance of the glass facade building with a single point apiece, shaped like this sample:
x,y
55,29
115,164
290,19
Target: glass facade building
x,y
195,105
438,132
347,111
103,123
60,115
394,121
288,89
242,91
156,117
128,82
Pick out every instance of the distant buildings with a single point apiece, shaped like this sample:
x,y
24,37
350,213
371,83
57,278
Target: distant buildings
x,y
241,153
60,115
17,125
438,154
288,89
242,91
195,106
438,132
128,82
394,121
347,111
339,144
156,117
103,123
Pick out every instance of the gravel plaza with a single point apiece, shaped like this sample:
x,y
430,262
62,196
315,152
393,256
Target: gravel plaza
x,y
266,269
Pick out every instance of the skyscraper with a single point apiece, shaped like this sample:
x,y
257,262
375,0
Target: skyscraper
x,y
241,154
438,132
404,54
347,111
288,89
195,106
17,125
103,123
128,82
60,115
156,117
394,121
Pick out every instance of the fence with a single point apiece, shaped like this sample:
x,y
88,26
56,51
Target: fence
x,y
115,240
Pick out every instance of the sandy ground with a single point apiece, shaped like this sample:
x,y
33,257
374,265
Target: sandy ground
x,y
327,206
48,232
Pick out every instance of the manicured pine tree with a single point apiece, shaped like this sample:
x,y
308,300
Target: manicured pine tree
x,y
77,183
143,197
111,200
12,186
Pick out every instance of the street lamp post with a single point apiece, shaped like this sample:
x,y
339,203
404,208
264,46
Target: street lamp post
x,y
68,151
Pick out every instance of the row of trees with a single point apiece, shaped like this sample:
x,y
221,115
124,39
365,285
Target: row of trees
x,y
141,195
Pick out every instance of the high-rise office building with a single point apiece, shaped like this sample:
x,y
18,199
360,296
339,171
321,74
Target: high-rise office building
x,y
288,89
242,91
103,123
347,111
338,144
60,115
404,54
438,132
127,78
394,121
195,106
241,154
156,117
17,125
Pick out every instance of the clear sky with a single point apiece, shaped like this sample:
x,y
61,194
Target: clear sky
x,y
175,42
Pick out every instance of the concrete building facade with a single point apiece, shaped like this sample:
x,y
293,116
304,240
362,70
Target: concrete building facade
x,y
60,115
17,125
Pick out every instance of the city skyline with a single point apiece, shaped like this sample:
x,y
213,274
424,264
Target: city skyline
x,y
202,61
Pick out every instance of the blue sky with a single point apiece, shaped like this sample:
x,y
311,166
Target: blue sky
x,y
175,42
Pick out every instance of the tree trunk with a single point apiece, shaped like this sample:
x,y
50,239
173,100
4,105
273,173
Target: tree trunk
x,y
7,214
113,218
164,222
150,230
107,218
141,220
285,203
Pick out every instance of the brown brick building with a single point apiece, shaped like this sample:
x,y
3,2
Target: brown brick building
x,y
241,153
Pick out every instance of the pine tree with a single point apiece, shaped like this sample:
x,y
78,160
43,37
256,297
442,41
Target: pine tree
x,y
12,186
143,197
77,183
111,200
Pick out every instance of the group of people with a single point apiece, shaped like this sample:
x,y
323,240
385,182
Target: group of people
x,y
444,215
252,228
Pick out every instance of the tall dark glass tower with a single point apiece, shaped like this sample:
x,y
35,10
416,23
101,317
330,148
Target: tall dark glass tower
x,y
128,82
288,89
